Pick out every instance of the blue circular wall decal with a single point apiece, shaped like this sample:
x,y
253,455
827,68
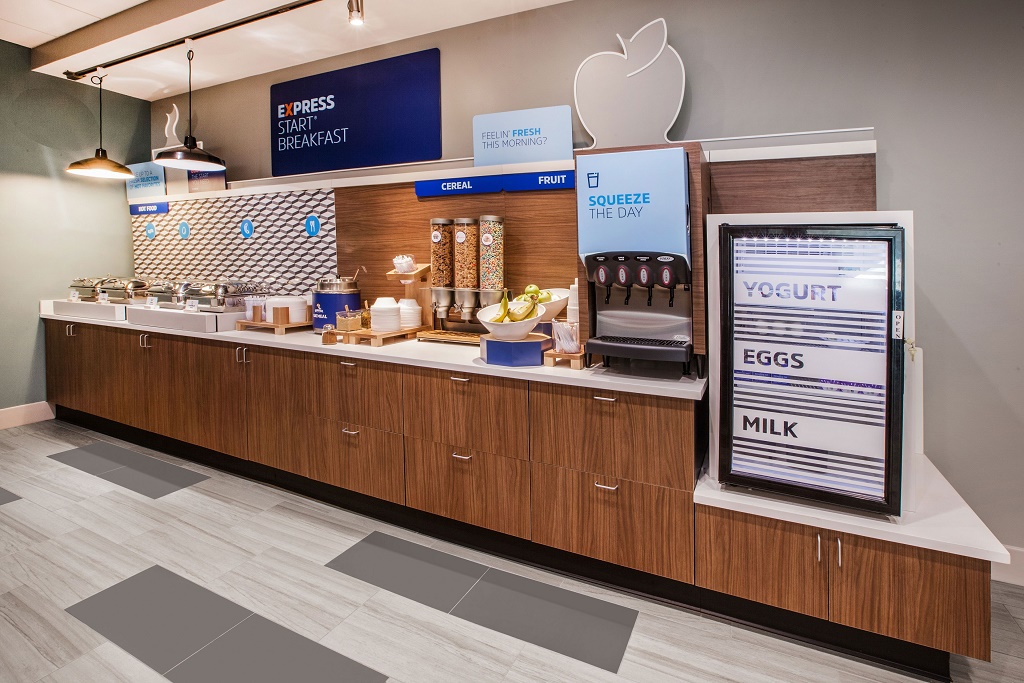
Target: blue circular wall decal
x,y
184,230
150,231
312,226
247,229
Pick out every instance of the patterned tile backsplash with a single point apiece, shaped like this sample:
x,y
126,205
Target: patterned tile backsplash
x,y
279,253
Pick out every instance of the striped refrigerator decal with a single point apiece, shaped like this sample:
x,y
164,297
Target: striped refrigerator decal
x,y
801,327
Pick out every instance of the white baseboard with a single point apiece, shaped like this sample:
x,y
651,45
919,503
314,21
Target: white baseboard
x,y
17,416
1013,572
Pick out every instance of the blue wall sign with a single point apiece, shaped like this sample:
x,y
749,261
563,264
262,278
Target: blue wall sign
x,y
144,209
246,228
184,230
633,201
449,186
312,226
148,180
516,137
549,180
384,112
150,231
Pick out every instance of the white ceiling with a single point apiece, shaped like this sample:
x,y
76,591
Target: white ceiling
x,y
34,22
303,35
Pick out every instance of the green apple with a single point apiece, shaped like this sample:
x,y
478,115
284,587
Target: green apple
x,y
532,289
544,296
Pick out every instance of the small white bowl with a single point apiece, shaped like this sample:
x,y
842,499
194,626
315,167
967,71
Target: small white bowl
x,y
508,331
559,300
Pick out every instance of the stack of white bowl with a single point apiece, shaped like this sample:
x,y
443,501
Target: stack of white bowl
x,y
411,313
296,306
385,315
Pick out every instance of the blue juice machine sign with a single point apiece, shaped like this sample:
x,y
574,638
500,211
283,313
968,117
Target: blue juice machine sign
x,y
813,362
384,112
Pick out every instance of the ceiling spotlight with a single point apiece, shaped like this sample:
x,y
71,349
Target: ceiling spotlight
x,y
355,12
99,166
189,156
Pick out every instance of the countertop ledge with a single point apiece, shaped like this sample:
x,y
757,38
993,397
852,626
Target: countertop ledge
x,y
942,521
439,356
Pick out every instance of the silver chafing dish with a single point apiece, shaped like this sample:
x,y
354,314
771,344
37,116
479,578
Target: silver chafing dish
x,y
169,293
124,289
88,288
221,297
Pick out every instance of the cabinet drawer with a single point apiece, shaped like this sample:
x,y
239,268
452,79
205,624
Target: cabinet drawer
x,y
484,489
487,414
360,459
642,438
359,391
645,527
765,560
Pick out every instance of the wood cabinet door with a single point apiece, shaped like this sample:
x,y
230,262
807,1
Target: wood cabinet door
x,y
487,414
645,527
359,458
484,489
279,391
168,393
63,378
642,438
765,560
215,416
359,391
114,369
914,594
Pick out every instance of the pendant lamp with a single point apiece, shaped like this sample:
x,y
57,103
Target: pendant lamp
x,y
100,166
190,157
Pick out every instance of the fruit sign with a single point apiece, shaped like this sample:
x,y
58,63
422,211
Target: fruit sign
x,y
633,97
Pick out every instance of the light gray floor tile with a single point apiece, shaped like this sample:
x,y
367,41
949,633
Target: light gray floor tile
x,y
23,524
687,617
37,637
198,551
72,566
17,465
153,478
497,562
1003,620
117,515
537,664
7,582
43,439
159,617
428,576
58,488
7,497
196,502
1008,642
241,492
306,597
260,651
1002,669
413,642
106,664
578,626
308,531
97,457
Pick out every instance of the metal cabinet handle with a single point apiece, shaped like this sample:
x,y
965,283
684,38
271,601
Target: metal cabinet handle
x,y
73,330
67,330
606,488
142,343
148,345
347,364
238,354
245,355
819,547
462,457
460,379
839,542
346,430
605,398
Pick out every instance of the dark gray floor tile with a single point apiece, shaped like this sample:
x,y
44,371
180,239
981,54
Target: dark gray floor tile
x,y
152,477
260,651
97,458
7,497
585,628
428,576
159,617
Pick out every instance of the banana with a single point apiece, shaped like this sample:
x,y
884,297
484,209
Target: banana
x,y
529,311
502,310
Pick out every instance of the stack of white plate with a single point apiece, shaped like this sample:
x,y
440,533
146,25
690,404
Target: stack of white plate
x,y
411,313
385,315
296,306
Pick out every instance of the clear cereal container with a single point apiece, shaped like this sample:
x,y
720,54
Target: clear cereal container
x,y
467,241
441,252
492,252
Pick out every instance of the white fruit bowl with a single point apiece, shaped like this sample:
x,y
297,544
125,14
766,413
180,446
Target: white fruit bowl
x,y
509,331
559,300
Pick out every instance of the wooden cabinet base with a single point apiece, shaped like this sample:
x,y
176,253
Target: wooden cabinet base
x,y
644,527
359,459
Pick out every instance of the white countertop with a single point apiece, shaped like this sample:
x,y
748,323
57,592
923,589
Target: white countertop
x,y
943,521
441,356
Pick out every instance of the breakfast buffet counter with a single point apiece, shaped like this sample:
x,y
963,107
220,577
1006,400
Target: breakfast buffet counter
x,y
439,356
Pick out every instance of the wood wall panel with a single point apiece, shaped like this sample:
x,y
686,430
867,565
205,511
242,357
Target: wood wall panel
x,y
839,183
540,242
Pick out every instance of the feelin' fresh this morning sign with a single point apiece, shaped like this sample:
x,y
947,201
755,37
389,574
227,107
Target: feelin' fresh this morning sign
x,y
384,112
516,137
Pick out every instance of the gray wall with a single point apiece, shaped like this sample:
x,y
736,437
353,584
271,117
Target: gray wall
x,y
941,82
54,226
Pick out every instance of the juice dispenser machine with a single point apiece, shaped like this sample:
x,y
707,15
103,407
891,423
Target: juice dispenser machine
x,y
634,241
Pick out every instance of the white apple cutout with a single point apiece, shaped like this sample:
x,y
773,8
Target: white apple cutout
x,y
633,97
